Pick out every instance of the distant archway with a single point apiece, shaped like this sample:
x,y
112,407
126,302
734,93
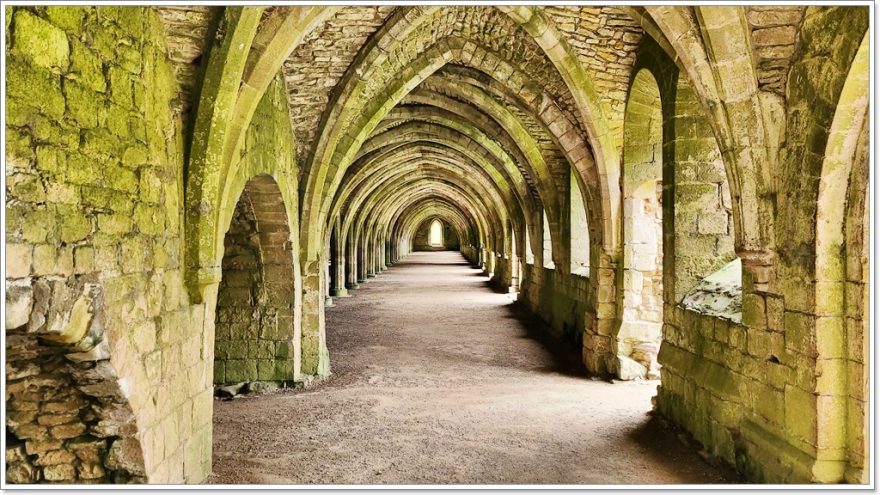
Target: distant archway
x,y
435,237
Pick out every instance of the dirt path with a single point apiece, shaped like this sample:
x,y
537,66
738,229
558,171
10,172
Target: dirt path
x,y
437,379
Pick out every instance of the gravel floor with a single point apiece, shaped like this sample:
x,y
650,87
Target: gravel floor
x,y
438,380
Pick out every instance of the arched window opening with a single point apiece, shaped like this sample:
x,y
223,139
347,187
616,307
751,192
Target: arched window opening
x,y
580,234
643,217
706,273
548,244
435,238
530,256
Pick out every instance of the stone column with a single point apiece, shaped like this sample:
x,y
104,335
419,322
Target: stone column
x,y
351,264
338,274
362,258
370,256
338,268
315,358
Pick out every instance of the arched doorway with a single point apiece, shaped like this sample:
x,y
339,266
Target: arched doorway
x,y
435,236
254,327
642,311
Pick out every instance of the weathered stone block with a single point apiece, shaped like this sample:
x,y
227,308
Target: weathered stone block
x,y
759,343
67,17
54,458
39,42
72,430
21,473
59,472
82,104
91,471
126,455
86,68
88,450
800,413
239,370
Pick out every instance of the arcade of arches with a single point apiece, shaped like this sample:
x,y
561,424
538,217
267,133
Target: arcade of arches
x,y
679,193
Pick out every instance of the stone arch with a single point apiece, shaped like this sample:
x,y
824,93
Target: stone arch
x,y
579,228
840,277
592,115
641,309
410,221
246,56
428,62
697,217
430,235
255,332
713,47
404,223
406,188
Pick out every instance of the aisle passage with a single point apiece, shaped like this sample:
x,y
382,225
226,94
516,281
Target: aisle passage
x,y
438,379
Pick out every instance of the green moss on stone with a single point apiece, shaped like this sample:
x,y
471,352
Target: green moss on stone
x,y
99,143
86,67
82,104
18,145
120,86
117,121
39,42
134,156
283,370
39,225
120,178
74,224
83,170
23,81
69,18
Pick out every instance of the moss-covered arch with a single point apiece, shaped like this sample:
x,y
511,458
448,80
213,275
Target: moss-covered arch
x,y
385,191
403,222
243,61
431,59
641,300
839,188
712,47
491,160
256,331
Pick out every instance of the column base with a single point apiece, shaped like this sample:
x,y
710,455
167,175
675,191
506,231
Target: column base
x,y
343,292
328,302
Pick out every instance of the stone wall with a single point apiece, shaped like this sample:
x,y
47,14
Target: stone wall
x,y
559,299
108,375
104,383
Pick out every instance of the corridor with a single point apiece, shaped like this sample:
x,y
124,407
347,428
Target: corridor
x,y
437,379
678,194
